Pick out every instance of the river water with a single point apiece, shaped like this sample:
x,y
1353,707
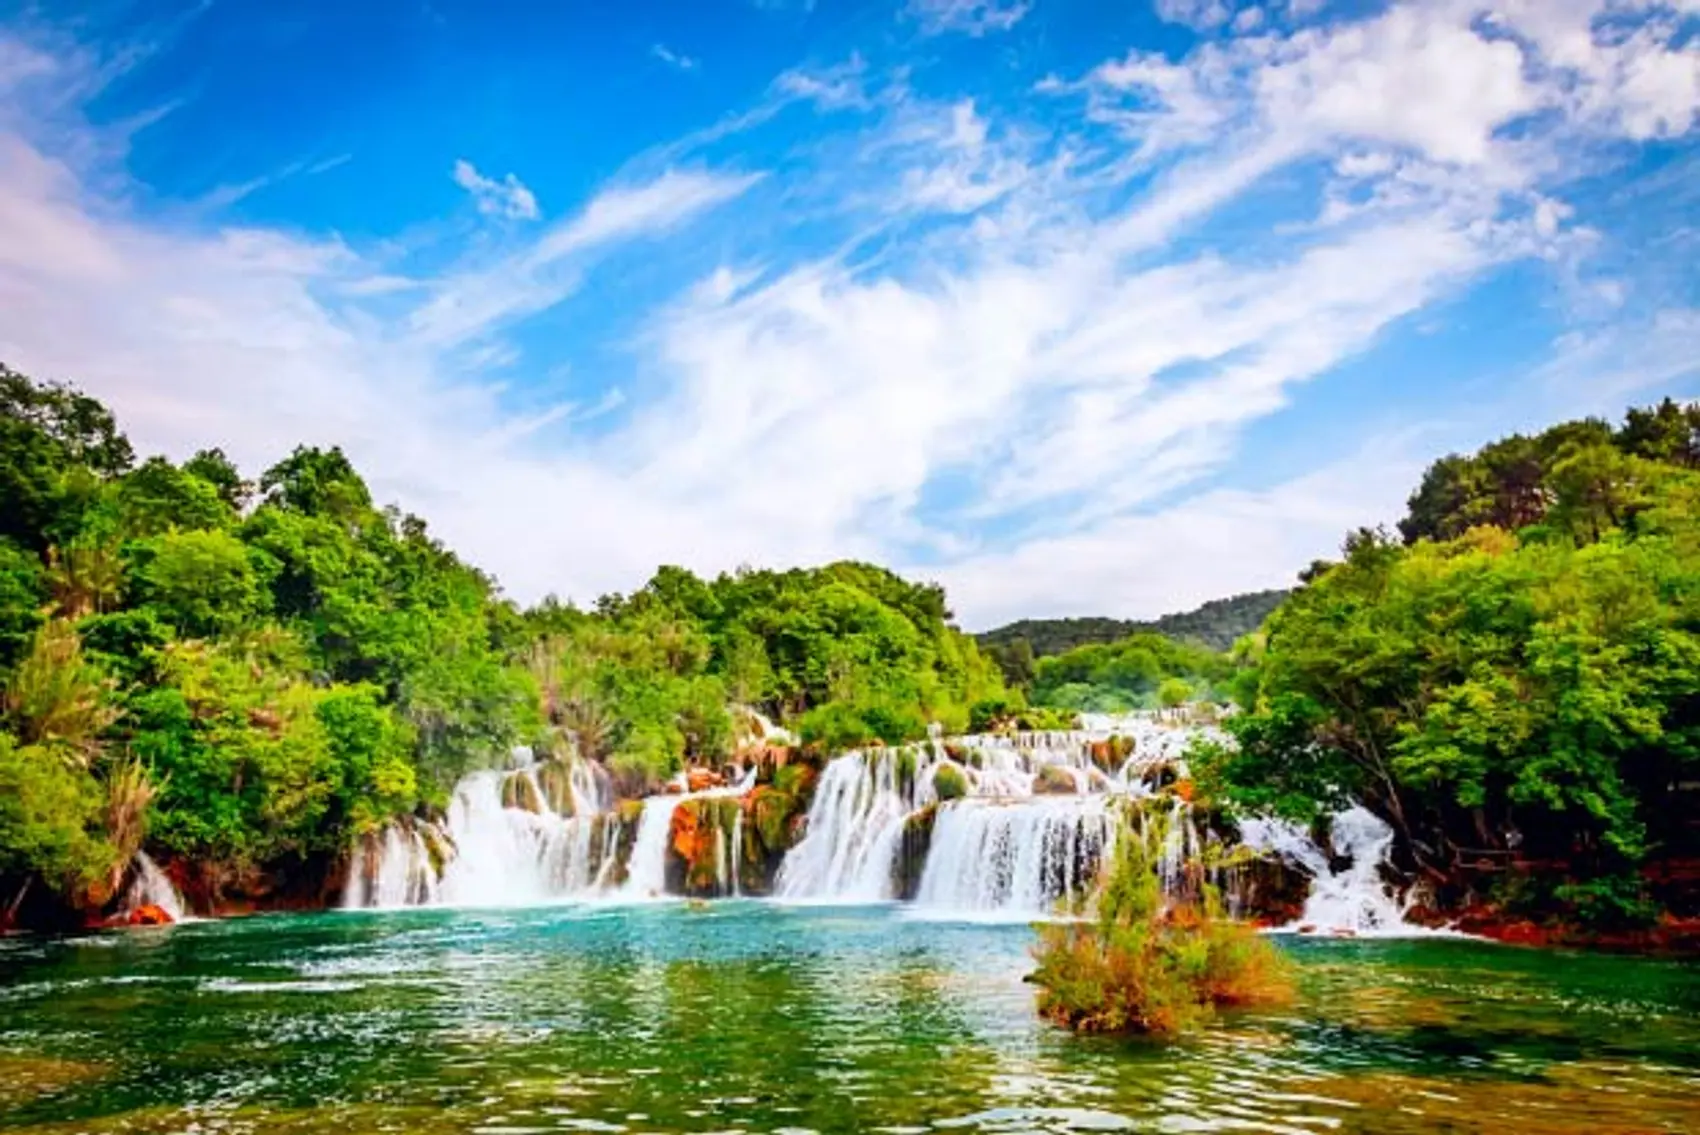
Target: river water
x,y
751,1017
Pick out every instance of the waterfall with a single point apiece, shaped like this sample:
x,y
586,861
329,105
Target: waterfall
x,y
646,875
1031,832
392,869
1354,900
737,854
849,846
1015,859
486,853
150,887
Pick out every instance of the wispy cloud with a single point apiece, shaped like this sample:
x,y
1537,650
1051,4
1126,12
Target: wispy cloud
x,y
539,275
1017,348
830,88
672,58
507,197
970,17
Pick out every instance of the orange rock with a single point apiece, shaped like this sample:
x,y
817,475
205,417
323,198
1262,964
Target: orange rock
x,y
689,838
148,915
701,779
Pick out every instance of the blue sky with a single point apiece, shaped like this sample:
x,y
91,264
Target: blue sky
x,y
1078,307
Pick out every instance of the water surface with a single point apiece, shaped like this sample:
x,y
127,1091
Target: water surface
x,y
752,1018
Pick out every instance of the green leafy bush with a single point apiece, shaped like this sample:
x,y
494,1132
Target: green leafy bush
x,y
950,782
1146,966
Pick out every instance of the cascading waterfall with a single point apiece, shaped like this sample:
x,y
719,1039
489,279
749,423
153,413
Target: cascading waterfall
x,y
489,854
854,825
392,869
149,886
646,874
1354,899
1015,858
1032,831
1039,817
737,855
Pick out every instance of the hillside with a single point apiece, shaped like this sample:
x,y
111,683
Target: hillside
x,y
1217,624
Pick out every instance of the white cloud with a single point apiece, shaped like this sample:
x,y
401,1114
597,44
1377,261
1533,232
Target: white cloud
x,y
967,173
505,198
1599,369
829,88
672,58
472,302
1223,542
1200,14
1026,383
970,17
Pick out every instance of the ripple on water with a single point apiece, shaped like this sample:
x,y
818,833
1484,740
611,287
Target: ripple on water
x,y
756,1018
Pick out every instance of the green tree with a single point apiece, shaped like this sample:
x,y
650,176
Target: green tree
x,y
50,824
201,583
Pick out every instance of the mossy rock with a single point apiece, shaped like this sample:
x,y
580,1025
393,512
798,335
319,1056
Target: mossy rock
x,y
555,778
950,782
770,813
1054,780
438,848
916,841
519,791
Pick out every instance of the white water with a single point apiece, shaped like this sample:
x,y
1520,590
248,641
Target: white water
x,y
1014,858
1006,850
150,887
1354,900
646,874
1039,819
494,856
854,827
390,870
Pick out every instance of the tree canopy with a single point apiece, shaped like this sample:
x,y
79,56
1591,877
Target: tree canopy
x,y
251,674
1518,677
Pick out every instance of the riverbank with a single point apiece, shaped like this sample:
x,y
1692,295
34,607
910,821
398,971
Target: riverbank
x,y
1003,827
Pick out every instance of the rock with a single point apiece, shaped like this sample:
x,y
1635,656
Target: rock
x,y
1055,781
555,778
520,791
702,779
148,915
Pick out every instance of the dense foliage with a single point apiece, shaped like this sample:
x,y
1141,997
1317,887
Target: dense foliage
x,y
1217,625
847,653
1143,671
1150,965
249,676
1516,689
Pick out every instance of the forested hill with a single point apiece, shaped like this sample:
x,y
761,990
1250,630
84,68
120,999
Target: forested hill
x,y
1217,624
246,679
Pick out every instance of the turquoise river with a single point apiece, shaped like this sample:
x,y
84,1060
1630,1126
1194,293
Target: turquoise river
x,y
749,1017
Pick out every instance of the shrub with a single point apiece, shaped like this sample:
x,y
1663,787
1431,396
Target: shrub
x,y
1174,692
1040,719
837,726
950,782
1054,780
989,714
1612,902
1147,966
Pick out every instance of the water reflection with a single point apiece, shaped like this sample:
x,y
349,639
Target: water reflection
x,y
746,1017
